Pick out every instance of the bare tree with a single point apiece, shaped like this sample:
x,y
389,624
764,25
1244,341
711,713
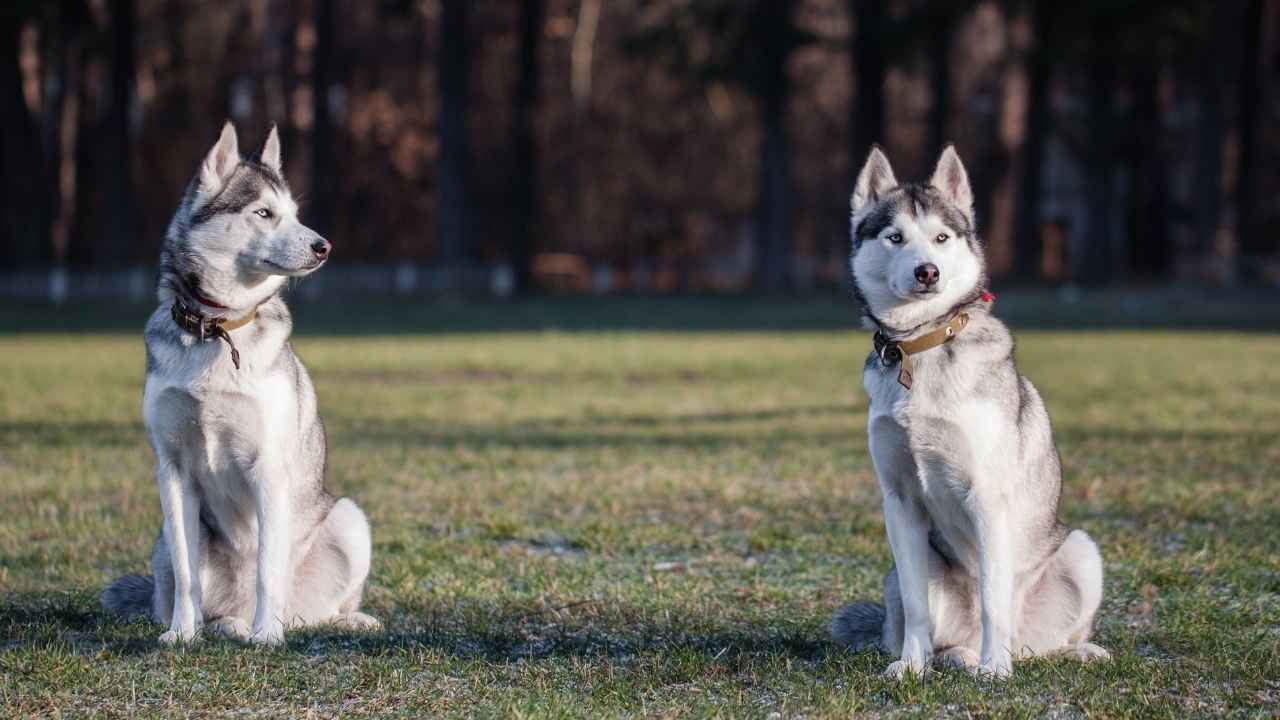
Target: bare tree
x,y
1209,129
1028,243
23,230
868,72
773,27
1150,253
119,166
940,21
454,71
1253,240
524,179
1096,267
323,173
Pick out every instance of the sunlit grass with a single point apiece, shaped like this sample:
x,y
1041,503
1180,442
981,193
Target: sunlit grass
x,y
659,523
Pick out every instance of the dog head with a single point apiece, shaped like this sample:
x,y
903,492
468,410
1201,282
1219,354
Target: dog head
x,y
236,236
915,252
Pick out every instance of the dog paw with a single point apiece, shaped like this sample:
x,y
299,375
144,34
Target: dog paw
x,y
998,669
232,628
356,621
178,636
898,669
1088,652
272,634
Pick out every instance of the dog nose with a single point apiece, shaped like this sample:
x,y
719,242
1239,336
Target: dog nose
x,y
321,248
927,274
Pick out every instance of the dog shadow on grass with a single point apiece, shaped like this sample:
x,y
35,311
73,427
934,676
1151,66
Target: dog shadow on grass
x,y
72,623
709,431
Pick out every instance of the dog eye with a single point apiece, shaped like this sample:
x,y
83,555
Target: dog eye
x,y
942,237
895,238
263,213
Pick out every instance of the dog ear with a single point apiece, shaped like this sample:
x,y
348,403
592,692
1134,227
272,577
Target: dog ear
x,y
951,179
270,154
874,181
221,160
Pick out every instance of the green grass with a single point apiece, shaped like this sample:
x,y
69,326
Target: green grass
x,y
626,522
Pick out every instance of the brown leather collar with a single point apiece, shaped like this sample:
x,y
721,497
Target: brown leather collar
x,y
206,328
900,351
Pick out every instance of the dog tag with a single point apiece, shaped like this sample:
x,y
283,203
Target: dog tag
x,y
904,372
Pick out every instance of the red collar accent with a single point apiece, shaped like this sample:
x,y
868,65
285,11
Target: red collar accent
x,y
206,301
988,296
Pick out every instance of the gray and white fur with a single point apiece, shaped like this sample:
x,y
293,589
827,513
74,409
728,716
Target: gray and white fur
x,y
252,542
969,474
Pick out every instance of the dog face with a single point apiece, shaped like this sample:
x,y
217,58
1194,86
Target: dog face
x,y
245,213
237,235
915,254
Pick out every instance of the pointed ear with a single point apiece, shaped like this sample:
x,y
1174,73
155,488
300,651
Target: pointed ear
x,y
270,154
874,181
221,160
951,179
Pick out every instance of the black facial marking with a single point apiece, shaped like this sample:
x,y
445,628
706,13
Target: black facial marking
x,y
915,200
875,222
244,186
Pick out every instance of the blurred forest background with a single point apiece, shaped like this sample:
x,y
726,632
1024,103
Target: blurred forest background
x,y
646,145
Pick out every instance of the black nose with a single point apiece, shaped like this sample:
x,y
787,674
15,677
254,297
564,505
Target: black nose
x,y
927,274
321,248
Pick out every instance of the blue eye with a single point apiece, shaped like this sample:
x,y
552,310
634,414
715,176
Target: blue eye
x,y
895,238
263,213
942,237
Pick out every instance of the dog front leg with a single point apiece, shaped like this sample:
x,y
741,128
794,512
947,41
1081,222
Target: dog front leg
x,y
181,507
908,531
275,544
996,588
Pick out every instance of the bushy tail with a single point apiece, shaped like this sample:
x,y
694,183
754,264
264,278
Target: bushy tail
x,y
129,597
858,625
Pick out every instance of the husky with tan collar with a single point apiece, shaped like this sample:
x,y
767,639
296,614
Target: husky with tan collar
x,y
984,572
252,542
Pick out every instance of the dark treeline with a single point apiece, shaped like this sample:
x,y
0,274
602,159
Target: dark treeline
x,y
656,144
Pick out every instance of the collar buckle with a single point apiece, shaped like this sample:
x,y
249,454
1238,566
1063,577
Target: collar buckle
x,y
209,329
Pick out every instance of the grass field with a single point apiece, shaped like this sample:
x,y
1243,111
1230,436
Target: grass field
x,y
631,522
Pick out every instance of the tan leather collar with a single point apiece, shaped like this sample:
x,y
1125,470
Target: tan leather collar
x,y
893,351
206,328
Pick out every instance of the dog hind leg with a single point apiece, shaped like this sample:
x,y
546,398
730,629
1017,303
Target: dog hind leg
x,y
1058,612
329,582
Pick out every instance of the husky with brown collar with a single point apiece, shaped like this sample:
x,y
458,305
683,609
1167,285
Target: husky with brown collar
x,y
252,542
984,572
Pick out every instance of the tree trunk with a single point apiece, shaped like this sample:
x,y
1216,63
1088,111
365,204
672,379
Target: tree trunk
x,y
1028,241
1097,265
276,67
85,218
175,20
1209,135
123,242
868,73
940,34
524,181
1253,241
55,30
24,238
1150,249
323,173
773,209
454,72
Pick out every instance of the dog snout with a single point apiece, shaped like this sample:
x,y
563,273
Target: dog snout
x,y
927,274
321,247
